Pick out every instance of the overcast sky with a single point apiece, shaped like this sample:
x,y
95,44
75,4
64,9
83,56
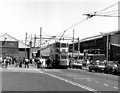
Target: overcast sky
x,y
20,16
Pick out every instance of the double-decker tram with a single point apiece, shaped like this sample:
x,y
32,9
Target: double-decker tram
x,y
59,54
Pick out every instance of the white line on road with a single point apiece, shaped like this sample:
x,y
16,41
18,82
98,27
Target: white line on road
x,y
89,79
115,87
105,84
97,82
74,83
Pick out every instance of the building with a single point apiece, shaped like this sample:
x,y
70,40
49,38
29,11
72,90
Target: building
x,y
13,47
106,44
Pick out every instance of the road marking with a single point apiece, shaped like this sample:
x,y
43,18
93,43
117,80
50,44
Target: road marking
x,y
89,79
115,87
52,70
97,82
73,83
105,84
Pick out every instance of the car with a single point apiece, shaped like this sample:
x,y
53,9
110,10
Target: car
x,y
92,67
109,68
96,67
117,70
100,67
77,64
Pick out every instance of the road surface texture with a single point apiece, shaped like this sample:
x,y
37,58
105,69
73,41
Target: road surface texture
x,y
32,79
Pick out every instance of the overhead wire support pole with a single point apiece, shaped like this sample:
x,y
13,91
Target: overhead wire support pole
x,y
25,44
78,47
107,48
35,43
73,46
40,40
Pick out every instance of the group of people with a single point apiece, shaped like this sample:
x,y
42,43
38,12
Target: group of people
x,y
17,61
23,62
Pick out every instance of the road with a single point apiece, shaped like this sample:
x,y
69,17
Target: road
x,y
32,79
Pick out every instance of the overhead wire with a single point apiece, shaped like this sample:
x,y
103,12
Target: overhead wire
x,y
110,12
102,12
98,12
72,27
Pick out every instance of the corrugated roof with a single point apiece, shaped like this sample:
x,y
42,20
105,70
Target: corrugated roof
x,y
99,36
6,37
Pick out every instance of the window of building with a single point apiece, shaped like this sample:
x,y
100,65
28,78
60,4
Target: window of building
x,y
63,57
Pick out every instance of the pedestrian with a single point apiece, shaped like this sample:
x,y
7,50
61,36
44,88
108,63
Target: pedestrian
x,y
26,63
5,63
16,62
20,62
1,60
38,63
88,63
97,61
8,59
48,63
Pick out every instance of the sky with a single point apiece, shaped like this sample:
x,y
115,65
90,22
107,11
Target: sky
x,y
55,16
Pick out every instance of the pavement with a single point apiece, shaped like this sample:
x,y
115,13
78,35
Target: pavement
x,y
32,79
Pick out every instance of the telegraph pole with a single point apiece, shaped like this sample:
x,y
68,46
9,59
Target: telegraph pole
x,y
25,43
73,45
35,43
40,40
107,48
78,47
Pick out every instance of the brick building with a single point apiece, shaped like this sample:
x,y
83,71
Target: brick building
x,y
13,47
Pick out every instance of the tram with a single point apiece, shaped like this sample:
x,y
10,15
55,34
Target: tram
x,y
59,54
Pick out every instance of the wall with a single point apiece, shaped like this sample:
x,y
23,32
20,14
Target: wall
x,y
9,48
22,53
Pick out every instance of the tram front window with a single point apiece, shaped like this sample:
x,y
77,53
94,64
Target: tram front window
x,y
63,44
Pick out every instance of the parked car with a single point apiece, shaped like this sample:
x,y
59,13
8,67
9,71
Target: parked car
x,y
117,70
109,67
97,67
92,67
77,64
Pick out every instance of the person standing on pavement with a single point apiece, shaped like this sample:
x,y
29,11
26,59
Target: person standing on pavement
x,y
5,63
48,62
88,63
20,62
8,60
26,63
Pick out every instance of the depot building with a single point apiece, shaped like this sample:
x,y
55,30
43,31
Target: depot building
x,y
13,47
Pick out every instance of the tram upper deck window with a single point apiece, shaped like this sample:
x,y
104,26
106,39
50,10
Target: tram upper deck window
x,y
63,45
58,44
